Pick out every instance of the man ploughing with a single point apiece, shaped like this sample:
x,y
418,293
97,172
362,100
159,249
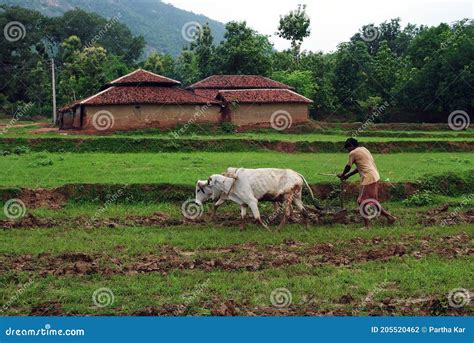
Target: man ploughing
x,y
365,166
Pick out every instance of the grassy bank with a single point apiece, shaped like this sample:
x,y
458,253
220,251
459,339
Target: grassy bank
x,y
34,170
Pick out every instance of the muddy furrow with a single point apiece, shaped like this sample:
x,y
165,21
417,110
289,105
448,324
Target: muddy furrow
x,y
241,257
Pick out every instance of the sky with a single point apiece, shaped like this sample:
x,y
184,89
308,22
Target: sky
x,y
332,21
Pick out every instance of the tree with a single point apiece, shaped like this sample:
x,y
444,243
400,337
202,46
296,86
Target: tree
x,y
39,89
86,70
352,74
295,27
95,30
384,68
301,80
204,51
187,69
397,39
243,51
19,55
154,63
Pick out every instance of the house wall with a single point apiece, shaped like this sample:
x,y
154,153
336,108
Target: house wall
x,y
147,116
260,114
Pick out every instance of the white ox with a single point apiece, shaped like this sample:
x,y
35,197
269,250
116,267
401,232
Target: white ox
x,y
247,187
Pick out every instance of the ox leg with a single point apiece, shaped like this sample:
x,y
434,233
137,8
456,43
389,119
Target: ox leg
x,y
216,206
256,213
300,206
286,211
243,213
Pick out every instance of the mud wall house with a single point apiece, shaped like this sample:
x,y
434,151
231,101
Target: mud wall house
x,y
143,99
139,100
252,100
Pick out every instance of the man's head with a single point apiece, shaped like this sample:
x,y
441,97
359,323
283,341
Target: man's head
x,y
351,144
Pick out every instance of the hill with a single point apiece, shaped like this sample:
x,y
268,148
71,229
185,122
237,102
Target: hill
x,y
161,24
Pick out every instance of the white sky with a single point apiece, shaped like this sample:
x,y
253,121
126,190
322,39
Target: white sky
x,y
332,21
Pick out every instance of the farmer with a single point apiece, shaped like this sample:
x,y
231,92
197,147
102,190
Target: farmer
x,y
369,205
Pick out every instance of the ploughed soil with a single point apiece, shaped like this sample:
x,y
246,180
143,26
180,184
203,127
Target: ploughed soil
x,y
55,198
443,215
432,305
446,215
255,257
238,257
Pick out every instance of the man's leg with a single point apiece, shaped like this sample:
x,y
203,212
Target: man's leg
x,y
391,218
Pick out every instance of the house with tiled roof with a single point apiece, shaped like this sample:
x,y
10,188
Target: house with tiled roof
x,y
253,100
139,100
143,99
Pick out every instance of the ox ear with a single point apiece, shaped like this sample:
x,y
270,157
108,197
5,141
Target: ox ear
x,y
201,183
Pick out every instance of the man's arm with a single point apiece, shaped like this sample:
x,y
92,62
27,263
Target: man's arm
x,y
345,174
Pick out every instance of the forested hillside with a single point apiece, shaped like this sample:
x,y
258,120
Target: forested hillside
x,y
387,72
159,23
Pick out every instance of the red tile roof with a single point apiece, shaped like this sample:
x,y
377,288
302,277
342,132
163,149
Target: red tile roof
x,y
262,96
205,92
238,81
141,76
124,95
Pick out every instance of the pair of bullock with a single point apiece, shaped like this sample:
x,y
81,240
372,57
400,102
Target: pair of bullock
x,y
247,187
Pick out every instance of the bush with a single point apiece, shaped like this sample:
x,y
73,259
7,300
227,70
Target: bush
x,y
419,198
227,127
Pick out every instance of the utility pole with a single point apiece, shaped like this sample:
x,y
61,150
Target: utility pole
x,y
53,82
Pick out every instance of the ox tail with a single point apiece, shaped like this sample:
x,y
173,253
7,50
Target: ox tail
x,y
315,201
307,185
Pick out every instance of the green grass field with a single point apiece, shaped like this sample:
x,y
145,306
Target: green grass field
x,y
203,133
54,169
316,287
54,260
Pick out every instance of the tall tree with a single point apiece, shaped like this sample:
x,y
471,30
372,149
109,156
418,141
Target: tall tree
x,y
187,69
295,27
204,50
243,51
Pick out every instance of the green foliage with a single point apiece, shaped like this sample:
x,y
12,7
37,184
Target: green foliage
x,y
243,51
187,68
295,27
409,68
204,51
301,80
419,198
162,64
450,184
227,127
